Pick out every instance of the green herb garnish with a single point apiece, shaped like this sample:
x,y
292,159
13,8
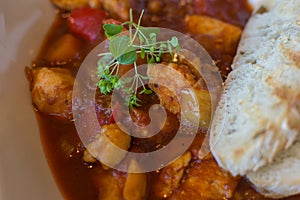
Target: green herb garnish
x,y
124,50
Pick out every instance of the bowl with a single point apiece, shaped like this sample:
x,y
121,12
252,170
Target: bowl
x,y
24,173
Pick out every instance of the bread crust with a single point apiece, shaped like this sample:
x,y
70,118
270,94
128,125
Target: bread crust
x,y
281,178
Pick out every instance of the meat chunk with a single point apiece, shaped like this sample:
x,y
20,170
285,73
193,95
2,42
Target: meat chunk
x,y
117,8
104,145
178,77
52,91
171,176
72,4
207,181
167,76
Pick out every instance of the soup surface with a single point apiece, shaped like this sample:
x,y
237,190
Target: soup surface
x,y
215,24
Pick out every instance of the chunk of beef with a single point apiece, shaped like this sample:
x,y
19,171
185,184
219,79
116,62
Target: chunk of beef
x,y
207,181
72,4
171,176
52,91
174,81
117,8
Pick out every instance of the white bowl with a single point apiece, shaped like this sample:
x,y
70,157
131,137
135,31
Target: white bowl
x,y
24,173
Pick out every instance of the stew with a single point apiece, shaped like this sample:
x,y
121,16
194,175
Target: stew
x,y
215,24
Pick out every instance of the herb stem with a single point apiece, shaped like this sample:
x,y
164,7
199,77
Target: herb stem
x,y
138,27
135,68
105,54
130,24
150,44
145,38
141,80
115,67
124,49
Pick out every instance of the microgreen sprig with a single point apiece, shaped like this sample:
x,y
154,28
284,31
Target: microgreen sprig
x,y
124,50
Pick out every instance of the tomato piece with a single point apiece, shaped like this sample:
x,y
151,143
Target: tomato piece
x,y
112,120
115,112
87,23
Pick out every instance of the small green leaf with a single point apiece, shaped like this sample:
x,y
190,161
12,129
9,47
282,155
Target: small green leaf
x,y
152,49
120,46
143,53
163,46
108,88
132,100
104,86
124,50
112,29
160,53
145,91
104,63
146,31
119,85
114,80
142,40
128,91
174,41
148,92
170,49
152,37
151,60
127,58
157,59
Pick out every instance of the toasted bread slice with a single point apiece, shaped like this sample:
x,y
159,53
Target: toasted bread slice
x,y
259,112
282,177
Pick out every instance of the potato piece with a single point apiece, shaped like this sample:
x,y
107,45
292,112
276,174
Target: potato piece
x,y
52,91
110,185
117,8
171,176
104,148
228,35
87,157
204,99
112,193
135,185
73,4
65,49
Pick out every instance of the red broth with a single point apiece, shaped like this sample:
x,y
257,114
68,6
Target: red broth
x,y
79,180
